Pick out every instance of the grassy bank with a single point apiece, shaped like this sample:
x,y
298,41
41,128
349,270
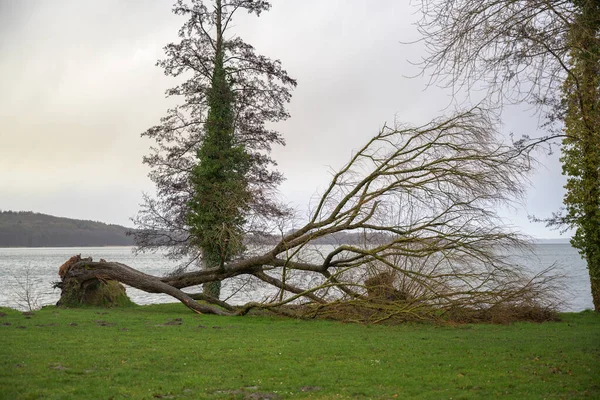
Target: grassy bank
x,y
146,352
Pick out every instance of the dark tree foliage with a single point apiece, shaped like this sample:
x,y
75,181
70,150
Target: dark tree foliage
x,y
210,163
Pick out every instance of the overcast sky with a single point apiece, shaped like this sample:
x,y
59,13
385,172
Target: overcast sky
x,y
79,84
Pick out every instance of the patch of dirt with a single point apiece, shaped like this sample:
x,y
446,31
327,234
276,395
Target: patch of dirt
x,y
233,392
163,396
3,314
262,396
250,396
310,388
176,321
73,324
105,323
57,366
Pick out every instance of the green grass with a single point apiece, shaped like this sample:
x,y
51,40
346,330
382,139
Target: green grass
x,y
131,353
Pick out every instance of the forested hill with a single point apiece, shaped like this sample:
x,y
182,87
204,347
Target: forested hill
x,y
29,229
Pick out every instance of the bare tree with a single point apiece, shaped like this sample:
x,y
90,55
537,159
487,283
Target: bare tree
x,y
541,52
26,292
419,206
517,51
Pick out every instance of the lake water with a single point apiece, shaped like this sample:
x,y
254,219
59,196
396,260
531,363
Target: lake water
x,y
43,264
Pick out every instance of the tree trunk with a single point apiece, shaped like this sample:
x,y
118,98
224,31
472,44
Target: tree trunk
x,y
86,271
210,289
583,123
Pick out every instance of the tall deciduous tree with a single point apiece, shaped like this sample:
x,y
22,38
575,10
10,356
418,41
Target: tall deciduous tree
x,y
543,52
211,163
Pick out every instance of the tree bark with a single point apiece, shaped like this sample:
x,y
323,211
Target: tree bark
x,y
84,271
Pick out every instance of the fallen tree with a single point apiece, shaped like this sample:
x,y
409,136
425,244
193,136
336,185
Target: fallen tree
x,y
423,201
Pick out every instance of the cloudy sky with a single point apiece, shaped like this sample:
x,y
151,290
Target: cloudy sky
x,y
79,84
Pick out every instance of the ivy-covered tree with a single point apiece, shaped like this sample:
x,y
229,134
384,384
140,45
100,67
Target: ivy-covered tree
x,y
211,165
581,146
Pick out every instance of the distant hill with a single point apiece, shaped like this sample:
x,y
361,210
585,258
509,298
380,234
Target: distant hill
x,y
29,229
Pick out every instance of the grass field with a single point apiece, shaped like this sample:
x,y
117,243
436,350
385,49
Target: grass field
x,y
165,351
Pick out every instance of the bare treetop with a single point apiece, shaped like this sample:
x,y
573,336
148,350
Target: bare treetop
x,y
514,50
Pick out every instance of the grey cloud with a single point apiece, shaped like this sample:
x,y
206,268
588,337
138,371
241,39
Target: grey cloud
x,y
80,86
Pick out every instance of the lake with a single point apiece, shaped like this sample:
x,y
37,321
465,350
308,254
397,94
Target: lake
x,y
43,264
